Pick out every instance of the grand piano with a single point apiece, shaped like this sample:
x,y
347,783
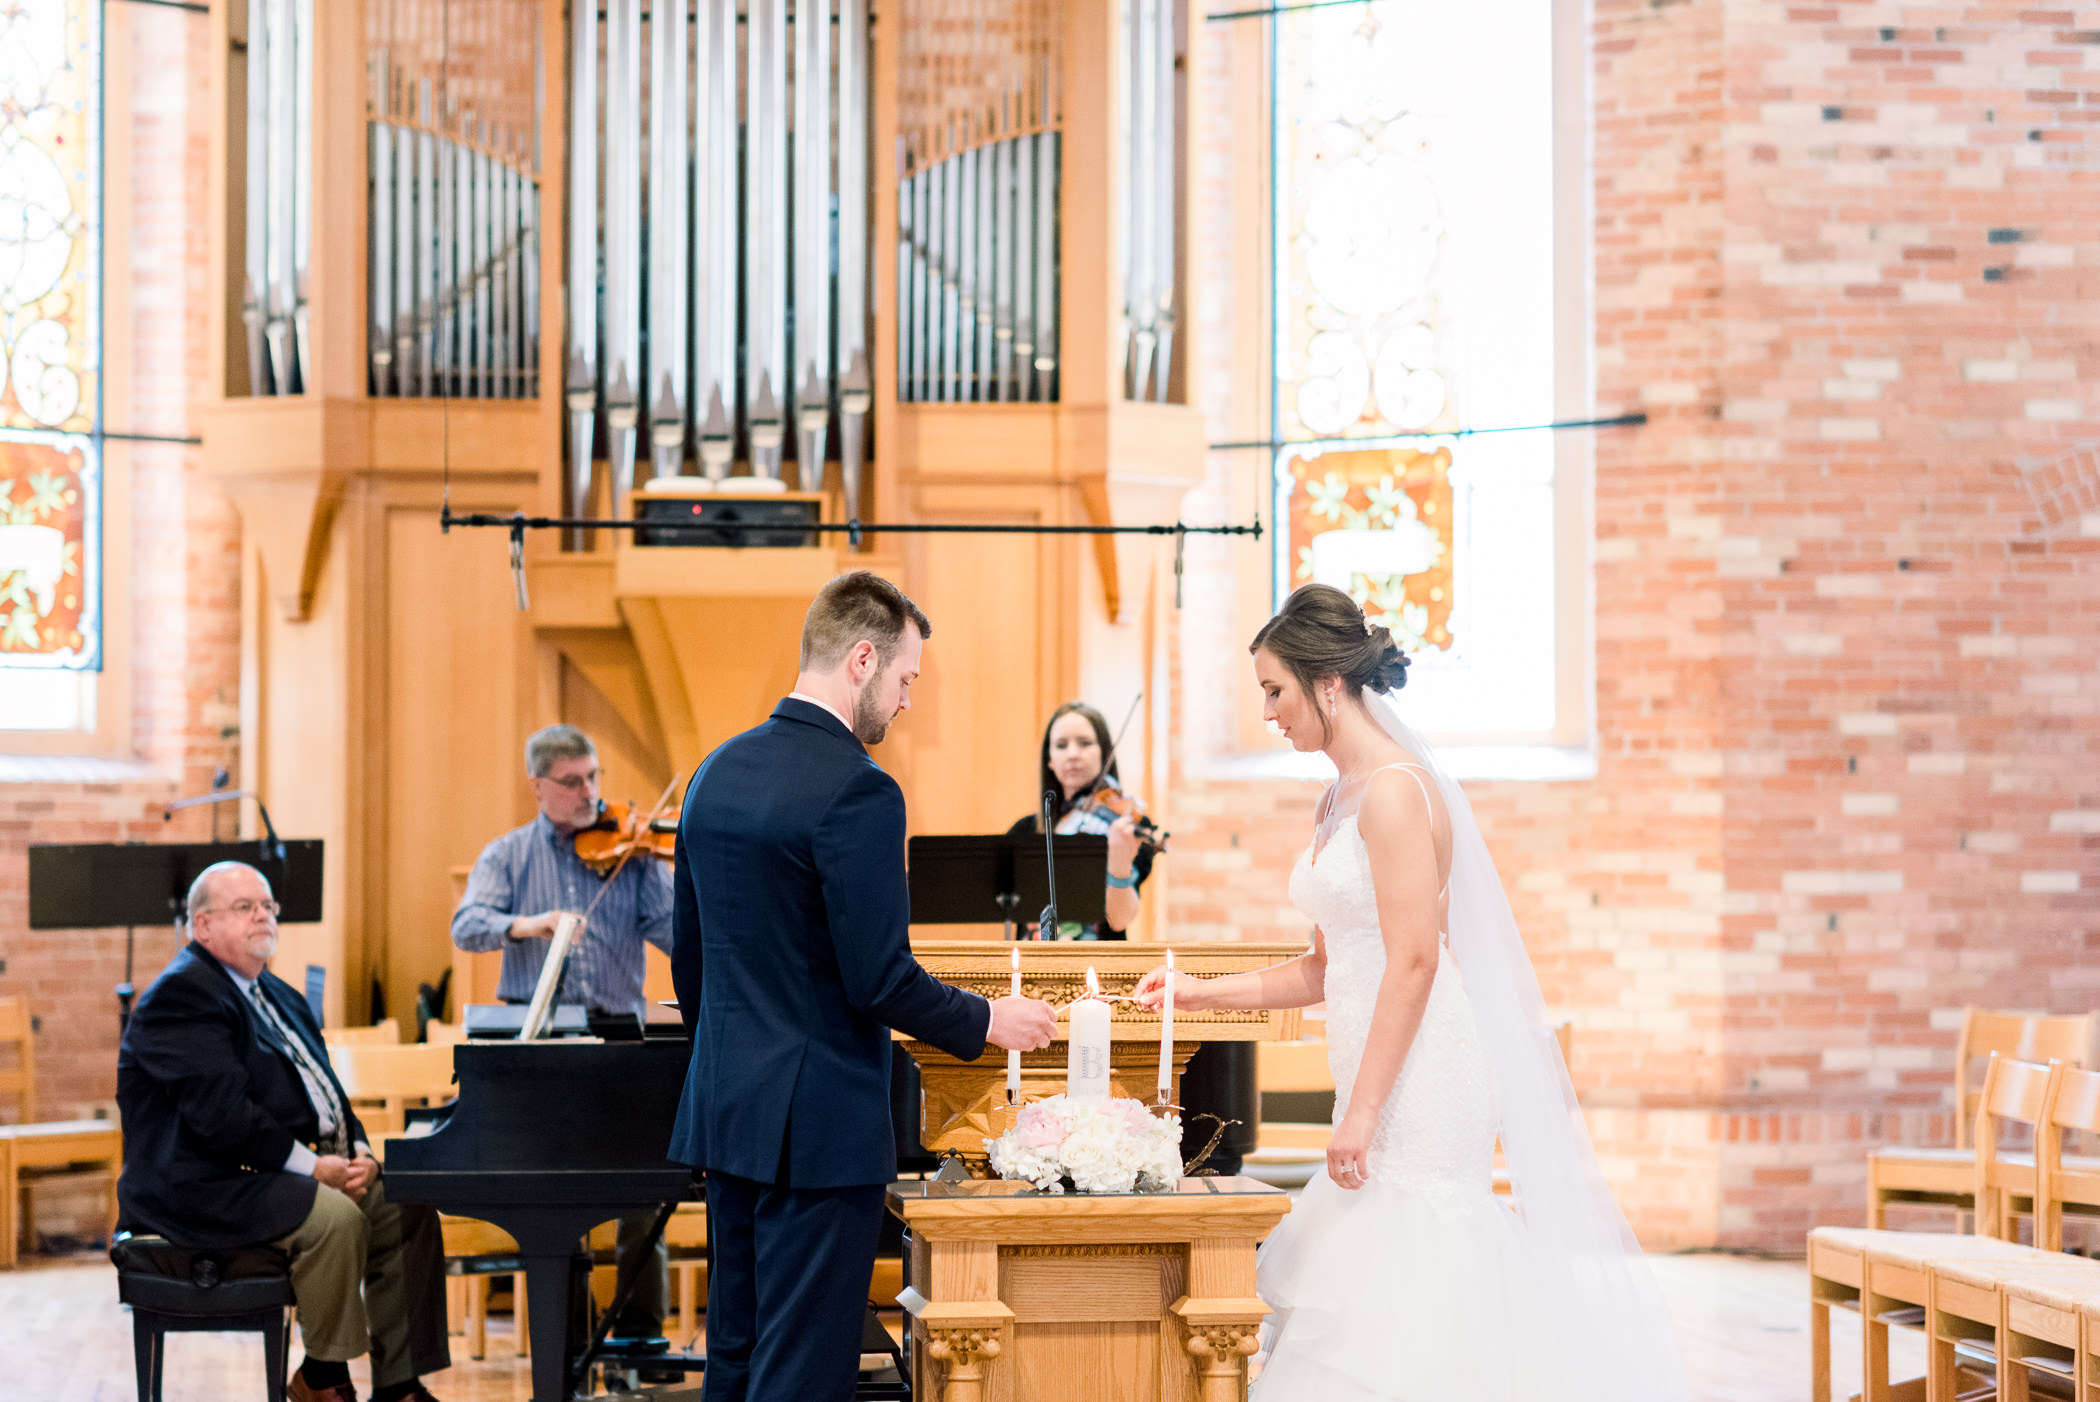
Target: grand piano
x,y
546,1140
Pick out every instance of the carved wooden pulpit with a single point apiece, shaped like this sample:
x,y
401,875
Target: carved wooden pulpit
x,y
1021,1296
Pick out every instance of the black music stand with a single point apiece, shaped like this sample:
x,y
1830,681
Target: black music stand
x,y
975,880
98,885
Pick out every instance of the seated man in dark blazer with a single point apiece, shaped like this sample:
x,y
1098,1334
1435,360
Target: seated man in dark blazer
x,y
237,1133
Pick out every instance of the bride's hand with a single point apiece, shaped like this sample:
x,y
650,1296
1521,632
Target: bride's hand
x,y
1349,1152
1150,991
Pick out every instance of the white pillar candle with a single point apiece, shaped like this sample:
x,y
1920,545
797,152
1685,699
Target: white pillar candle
x,y
1013,1058
1166,1036
1086,1055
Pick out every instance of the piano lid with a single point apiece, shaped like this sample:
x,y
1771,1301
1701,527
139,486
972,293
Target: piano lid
x,y
552,1108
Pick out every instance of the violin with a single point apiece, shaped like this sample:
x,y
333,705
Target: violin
x,y
1106,796
625,830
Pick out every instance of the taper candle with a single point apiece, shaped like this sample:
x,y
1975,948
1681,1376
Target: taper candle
x,y
1166,1036
1013,1058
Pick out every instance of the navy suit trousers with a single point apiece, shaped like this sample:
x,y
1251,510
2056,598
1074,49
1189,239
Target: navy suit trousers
x,y
798,1258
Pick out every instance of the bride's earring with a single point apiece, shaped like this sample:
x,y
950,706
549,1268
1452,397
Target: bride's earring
x,y
1333,707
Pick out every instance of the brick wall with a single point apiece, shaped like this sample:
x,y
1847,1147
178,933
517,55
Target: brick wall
x,y
1845,648
183,641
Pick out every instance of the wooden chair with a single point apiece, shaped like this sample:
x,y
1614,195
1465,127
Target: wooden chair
x,y
2072,1183
379,1034
1888,1276
2050,1322
33,1151
1945,1177
686,1236
446,1034
474,1251
2017,1092
383,1081
1886,1291
2025,1036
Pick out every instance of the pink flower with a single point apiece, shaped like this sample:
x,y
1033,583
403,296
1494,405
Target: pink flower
x,y
1136,1118
1039,1127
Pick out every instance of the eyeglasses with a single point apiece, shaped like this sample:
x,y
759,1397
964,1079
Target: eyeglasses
x,y
577,783
246,909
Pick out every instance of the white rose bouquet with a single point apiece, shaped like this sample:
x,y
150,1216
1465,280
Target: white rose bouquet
x,y
1101,1146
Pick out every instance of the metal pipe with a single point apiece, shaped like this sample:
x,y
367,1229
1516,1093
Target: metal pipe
x,y
1167,127
715,228
277,326
1048,283
580,375
907,296
856,380
1002,280
812,240
623,237
1140,150
379,285
952,310
766,233
300,75
670,178
403,199
443,268
255,251
1024,267
426,243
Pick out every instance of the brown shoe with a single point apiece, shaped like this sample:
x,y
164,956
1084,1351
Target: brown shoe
x,y
297,1391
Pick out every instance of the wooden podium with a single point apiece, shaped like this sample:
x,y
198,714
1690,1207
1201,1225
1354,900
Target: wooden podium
x,y
1020,1296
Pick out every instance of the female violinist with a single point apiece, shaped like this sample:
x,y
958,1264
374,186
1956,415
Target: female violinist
x,y
1088,800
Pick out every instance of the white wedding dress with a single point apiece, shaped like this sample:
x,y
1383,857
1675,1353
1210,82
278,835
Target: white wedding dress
x,y
1422,1283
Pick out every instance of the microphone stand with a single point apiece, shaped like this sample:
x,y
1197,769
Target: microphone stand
x,y
1046,924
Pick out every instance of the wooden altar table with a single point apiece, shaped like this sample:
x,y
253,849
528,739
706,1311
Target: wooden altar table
x,y
1021,1296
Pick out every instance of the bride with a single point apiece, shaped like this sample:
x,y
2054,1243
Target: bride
x,y
1400,1275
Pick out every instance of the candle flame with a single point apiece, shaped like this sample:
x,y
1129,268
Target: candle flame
x,y
1017,960
1093,984
1170,957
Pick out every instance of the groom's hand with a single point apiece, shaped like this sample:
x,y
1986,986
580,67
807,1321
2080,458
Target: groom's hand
x,y
1021,1024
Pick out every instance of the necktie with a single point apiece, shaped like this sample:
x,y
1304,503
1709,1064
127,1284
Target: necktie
x,y
334,1136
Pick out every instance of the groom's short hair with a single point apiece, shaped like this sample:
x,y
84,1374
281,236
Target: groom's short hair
x,y
855,606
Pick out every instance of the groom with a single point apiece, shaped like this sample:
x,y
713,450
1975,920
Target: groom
x,y
790,896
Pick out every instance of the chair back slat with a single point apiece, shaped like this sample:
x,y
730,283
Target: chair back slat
x,y
2078,1102
2014,1092
2075,1106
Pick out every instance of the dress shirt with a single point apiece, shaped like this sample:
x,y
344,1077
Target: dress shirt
x,y
535,868
327,1109
824,705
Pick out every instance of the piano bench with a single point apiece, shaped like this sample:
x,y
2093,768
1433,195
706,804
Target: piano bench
x,y
178,1289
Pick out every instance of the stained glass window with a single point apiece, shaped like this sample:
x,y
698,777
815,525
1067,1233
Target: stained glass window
x,y
50,355
1416,296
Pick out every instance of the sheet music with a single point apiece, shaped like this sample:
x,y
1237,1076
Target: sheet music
x,y
566,932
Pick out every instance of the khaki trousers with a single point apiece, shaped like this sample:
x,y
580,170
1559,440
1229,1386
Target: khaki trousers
x,y
370,1274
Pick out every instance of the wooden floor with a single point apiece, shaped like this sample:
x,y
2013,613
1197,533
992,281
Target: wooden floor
x,y
1743,1325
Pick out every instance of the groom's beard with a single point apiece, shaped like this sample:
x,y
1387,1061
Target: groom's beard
x,y
869,723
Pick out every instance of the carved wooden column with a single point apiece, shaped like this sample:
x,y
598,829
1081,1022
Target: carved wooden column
x,y
965,1348
1220,1352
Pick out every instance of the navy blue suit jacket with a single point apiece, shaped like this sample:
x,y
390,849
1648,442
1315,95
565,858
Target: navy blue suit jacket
x,y
211,1102
790,893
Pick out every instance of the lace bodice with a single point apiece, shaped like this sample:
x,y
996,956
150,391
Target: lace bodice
x,y
1436,1131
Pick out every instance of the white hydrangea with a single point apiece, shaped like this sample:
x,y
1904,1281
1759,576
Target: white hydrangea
x,y
1102,1146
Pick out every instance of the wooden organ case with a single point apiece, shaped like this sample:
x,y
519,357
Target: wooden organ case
x,y
922,262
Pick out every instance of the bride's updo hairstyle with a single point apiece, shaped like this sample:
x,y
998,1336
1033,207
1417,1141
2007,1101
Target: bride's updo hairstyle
x,y
1320,633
